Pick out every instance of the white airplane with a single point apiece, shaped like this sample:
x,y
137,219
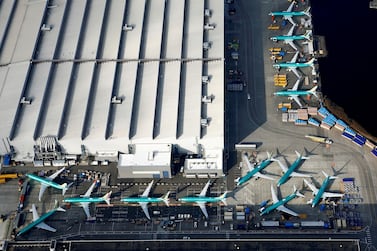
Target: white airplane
x,y
254,171
48,181
38,221
288,14
144,199
290,172
321,193
279,204
289,37
293,65
202,199
85,199
294,93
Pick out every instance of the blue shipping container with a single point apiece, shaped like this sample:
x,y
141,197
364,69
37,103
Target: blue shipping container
x,y
247,210
288,225
7,160
322,207
348,179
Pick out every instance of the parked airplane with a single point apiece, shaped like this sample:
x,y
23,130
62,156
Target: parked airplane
x,y
38,221
85,199
294,93
48,181
290,172
288,14
289,37
254,171
201,200
293,65
279,204
321,193
144,200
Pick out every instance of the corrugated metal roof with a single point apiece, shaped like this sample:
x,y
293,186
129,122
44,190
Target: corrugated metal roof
x,y
84,58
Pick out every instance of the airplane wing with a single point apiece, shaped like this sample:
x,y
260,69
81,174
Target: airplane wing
x,y
147,190
41,225
202,206
44,226
145,209
42,190
289,18
295,174
290,32
282,166
274,196
311,186
246,161
294,59
331,195
85,206
296,99
259,175
291,6
90,190
54,175
35,213
292,44
295,71
204,191
286,210
295,87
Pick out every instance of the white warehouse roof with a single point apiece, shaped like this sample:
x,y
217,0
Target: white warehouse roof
x,y
106,74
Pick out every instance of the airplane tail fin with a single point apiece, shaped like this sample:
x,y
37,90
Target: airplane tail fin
x,y
165,198
310,202
331,177
300,156
65,187
297,192
308,34
307,12
313,91
57,207
106,197
223,197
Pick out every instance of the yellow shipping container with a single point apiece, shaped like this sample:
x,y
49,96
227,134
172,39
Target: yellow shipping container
x,y
302,216
273,27
278,49
9,176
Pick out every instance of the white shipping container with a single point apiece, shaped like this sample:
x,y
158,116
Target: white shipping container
x,y
284,117
270,223
228,218
240,217
312,223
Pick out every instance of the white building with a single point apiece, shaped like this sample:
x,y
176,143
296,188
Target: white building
x,y
104,75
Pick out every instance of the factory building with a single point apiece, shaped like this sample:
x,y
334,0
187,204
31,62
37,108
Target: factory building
x,y
126,81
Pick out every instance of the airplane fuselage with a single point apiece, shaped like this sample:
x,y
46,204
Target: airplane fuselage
x,y
292,93
292,65
278,204
251,173
142,200
321,190
44,181
290,170
36,222
200,199
288,13
83,200
294,37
